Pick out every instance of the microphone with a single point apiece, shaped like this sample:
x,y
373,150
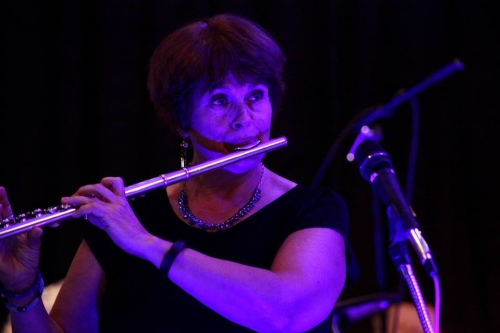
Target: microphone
x,y
375,167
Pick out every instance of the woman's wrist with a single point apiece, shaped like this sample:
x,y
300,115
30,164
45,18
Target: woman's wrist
x,y
21,289
151,248
20,283
170,256
159,252
25,300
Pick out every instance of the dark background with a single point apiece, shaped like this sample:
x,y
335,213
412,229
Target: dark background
x,y
74,108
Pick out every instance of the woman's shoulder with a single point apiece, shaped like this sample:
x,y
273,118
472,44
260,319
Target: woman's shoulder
x,y
277,186
278,183
273,187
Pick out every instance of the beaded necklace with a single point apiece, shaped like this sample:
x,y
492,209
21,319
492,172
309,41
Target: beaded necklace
x,y
196,222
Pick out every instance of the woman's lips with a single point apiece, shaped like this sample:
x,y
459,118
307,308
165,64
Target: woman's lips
x,y
244,145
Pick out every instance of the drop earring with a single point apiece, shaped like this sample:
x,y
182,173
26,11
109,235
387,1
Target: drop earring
x,y
184,149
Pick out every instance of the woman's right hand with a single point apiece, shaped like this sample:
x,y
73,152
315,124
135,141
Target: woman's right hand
x,y
19,255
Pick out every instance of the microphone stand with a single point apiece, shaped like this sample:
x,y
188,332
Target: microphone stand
x,y
387,110
376,167
399,255
370,115
361,122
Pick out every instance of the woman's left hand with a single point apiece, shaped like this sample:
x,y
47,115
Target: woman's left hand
x,y
106,206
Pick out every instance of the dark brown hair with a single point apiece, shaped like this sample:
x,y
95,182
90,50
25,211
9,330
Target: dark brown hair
x,y
198,57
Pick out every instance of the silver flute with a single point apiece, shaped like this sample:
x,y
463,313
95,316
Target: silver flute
x,y
52,216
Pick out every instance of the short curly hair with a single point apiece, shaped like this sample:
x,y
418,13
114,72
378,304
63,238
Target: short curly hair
x,y
199,56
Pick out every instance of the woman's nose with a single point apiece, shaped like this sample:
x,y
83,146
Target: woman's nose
x,y
241,115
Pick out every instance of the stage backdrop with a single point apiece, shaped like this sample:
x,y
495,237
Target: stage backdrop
x,y
74,108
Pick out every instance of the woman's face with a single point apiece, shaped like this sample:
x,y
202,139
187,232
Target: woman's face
x,y
230,117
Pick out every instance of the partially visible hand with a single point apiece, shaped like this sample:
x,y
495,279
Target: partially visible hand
x,y
106,206
20,254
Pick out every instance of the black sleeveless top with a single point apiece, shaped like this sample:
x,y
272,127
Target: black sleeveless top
x,y
137,299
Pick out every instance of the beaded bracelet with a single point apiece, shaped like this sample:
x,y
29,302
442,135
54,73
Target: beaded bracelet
x,y
170,256
38,285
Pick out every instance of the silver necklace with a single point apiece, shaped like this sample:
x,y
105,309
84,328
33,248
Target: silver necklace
x,y
196,222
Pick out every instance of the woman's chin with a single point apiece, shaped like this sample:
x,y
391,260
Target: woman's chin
x,y
245,165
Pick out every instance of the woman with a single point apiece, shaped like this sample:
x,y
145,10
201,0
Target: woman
x,y
237,249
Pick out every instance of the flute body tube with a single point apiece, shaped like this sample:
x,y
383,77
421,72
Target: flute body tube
x,y
54,215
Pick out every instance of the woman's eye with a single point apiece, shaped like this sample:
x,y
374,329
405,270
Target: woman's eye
x,y
256,95
219,100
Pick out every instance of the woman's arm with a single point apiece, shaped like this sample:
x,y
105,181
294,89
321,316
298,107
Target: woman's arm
x,y
77,304
296,294
300,290
75,308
